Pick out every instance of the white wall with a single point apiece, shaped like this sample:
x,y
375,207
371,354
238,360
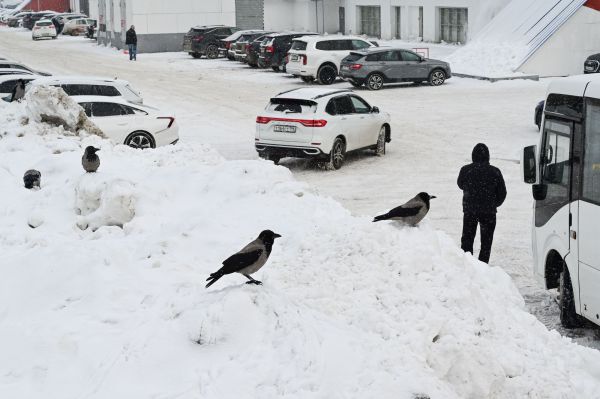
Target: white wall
x,y
480,13
178,16
302,15
565,52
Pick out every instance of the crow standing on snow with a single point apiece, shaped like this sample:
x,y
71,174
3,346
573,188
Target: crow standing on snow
x,y
32,178
410,213
249,260
90,161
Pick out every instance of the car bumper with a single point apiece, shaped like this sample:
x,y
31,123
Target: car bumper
x,y
167,136
298,69
283,151
240,57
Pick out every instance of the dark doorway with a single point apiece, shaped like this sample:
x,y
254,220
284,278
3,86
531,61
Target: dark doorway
x,y
342,20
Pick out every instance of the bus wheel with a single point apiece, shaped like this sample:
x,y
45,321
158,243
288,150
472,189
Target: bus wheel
x,y
566,302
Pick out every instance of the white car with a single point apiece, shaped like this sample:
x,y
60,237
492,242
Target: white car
x,y
319,57
43,29
19,67
135,125
319,123
77,26
92,86
12,71
9,82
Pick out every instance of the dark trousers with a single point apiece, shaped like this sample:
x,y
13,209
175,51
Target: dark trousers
x,y
487,225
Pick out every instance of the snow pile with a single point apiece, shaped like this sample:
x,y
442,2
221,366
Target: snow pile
x,y
348,309
489,59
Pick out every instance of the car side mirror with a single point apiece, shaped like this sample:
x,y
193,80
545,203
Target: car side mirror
x,y
529,164
540,191
375,110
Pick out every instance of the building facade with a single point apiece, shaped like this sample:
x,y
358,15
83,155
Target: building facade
x,y
161,24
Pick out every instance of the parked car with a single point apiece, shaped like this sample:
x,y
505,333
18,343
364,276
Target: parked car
x,y
9,82
30,19
592,64
43,29
12,71
227,45
14,20
19,67
319,57
59,20
205,40
253,51
324,124
539,111
274,49
92,86
374,67
78,26
240,46
135,125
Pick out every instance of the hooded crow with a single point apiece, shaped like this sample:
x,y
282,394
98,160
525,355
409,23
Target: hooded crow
x,y
90,160
249,260
410,213
32,178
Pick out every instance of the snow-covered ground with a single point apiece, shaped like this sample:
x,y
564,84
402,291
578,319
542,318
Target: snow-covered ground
x,y
349,309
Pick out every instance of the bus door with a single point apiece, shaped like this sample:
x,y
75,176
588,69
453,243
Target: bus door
x,y
588,235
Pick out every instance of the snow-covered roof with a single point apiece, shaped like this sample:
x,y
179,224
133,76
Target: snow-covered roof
x,y
77,80
310,93
574,85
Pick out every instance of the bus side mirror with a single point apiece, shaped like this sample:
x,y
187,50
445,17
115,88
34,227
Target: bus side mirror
x,y
528,163
539,191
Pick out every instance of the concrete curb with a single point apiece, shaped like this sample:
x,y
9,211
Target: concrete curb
x,y
497,79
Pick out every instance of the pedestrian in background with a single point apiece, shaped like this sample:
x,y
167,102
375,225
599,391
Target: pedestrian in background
x,y
484,191
131,41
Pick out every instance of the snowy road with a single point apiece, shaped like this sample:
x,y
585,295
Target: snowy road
x,y
433,131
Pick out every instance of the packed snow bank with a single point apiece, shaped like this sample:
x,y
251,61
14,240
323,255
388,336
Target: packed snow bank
x,y
488,59
348,309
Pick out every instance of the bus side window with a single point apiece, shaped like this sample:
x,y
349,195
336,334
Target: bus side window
x,y
556,162
591,159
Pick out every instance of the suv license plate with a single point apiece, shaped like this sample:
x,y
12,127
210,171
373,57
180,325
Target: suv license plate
x,y
284,129
295,57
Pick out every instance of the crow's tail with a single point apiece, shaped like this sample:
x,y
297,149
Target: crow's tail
x,y
380,218
213,278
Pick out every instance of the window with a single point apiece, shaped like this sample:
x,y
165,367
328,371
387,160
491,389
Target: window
x,y
566,105
298,45
109,91
408,56
591,157
374,57
370,20
555,159
453,25
78,90
289,106
8,86
87,107
108,109
360,107
359,44
340,106
325,45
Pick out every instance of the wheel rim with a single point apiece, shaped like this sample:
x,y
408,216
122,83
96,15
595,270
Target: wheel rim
x,y
375,82
381,141
328,76
211,52
140,141
338,154
438,78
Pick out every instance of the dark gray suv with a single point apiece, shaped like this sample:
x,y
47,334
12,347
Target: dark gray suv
x,y
376,66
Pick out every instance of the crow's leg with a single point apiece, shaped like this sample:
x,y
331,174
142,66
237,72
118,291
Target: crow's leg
x,y
252,281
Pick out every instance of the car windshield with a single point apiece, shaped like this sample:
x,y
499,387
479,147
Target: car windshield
x,y
292,106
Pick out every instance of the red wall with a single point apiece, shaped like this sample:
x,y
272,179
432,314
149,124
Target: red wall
x,y
595,4
51,5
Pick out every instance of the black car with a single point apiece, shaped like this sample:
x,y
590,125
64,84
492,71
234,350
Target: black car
x,y
30,20
275,47
539,110
205,40
13,22
240,46
592,64
253,51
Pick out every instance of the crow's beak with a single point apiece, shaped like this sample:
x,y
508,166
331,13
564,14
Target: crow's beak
x,y
275,235
97,149
432,197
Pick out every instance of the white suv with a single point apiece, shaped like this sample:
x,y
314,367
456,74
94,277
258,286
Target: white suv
x,y
319,57
92,86
320,123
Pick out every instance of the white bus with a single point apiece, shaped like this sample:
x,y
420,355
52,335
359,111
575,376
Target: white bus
x,y
565,172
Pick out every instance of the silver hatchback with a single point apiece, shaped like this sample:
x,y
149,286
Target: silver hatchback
x,y
375,67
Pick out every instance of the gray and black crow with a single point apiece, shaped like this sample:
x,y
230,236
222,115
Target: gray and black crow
x,y
410,213
32,179
249,260
90,160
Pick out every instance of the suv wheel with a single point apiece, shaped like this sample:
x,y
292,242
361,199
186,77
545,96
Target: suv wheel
x,y
380,146
338,153
212,51
375,81
566,302
437,77
327,74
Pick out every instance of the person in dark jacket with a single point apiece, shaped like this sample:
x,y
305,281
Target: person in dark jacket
x,y
484,191
131,41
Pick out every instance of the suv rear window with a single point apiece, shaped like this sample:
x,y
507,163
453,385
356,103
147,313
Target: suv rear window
x,y
298,45
355,57
292,106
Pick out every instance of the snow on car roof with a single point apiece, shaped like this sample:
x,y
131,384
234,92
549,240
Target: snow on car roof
x,y
573,85
333,37
78,79
310,93
278,34
4,78
117,100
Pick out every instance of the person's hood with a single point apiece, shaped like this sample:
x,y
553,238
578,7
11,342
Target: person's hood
x,y
481,154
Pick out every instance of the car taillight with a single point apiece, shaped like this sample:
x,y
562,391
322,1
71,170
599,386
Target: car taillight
x,y
247,46
304,59
171,120
270,49
198,38
263,120
355,67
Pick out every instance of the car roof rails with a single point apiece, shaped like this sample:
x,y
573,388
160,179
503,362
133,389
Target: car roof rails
x,y
289,91
332,93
